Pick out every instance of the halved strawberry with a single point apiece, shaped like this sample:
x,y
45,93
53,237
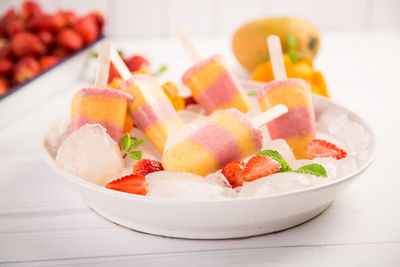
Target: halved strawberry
x,y
233,172
323,149
260,166
146,166
134,184
136,62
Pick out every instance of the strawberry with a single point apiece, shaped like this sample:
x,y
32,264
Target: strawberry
x,y
323,149
113,73
99,18
146,166
48,61
233,172
46,38
30,9
5,50
87,27
8,16
134,184
13,27
25,69
70,17
137,62
69,39
260,166
4,85
49,22
26,44
6,66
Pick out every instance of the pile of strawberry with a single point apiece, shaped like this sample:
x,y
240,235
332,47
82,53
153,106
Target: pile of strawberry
x,y
32,40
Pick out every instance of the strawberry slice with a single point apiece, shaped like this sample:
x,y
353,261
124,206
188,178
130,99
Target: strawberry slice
x,y
323,149
233,173
146,166
134,184
260,166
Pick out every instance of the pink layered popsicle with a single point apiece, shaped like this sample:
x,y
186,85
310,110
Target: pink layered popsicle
x,y
104,106
215,87
229,135
151,110
297,126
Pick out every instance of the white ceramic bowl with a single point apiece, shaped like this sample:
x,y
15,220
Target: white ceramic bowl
x,y
217,219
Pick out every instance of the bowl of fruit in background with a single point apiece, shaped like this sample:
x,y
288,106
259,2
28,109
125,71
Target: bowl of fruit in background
x,y
184,205
38,49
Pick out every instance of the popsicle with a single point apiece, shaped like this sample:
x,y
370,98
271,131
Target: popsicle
x,y
100,104
150,110
228,135
212,84
297,126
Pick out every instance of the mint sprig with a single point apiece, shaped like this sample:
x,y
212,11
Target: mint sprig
x,y
161,70
278,157
128,143
311,169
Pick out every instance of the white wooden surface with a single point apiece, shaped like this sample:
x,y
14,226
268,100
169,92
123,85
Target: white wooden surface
x,y
206,18
44,223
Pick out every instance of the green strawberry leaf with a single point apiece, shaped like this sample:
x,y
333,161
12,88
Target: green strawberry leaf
x,y
313,169
278,157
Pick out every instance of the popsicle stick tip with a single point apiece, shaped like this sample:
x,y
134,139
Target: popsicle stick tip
x,y
103,64
119,64
187,44
269,115
276,57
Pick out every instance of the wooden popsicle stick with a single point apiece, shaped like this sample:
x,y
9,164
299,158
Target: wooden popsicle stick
x,y
103,65
188,44
269,115
276,57
119,64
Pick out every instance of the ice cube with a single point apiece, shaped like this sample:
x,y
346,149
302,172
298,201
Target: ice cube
x,y
327,117
56,136
181,185
346,166
275,183
329,164
191,117
91,154
149,151
300,163
282,147
218,178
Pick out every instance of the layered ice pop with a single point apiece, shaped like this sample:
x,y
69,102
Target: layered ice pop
x,y
227,135
297,126
100,105
151,110
215,87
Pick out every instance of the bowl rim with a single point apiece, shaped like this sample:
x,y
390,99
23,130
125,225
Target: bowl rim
x,y
128,196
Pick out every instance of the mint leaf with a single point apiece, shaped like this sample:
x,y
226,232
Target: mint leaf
x,y
135,142
312,169
128,143
278,157
252,93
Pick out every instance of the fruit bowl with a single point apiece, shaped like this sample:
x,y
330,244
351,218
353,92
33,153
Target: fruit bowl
x,y
223,218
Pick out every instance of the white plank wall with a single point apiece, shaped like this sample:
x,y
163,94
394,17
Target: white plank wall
x,y
209,18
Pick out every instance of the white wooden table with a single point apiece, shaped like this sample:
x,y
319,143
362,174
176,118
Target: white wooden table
x,y
43,222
